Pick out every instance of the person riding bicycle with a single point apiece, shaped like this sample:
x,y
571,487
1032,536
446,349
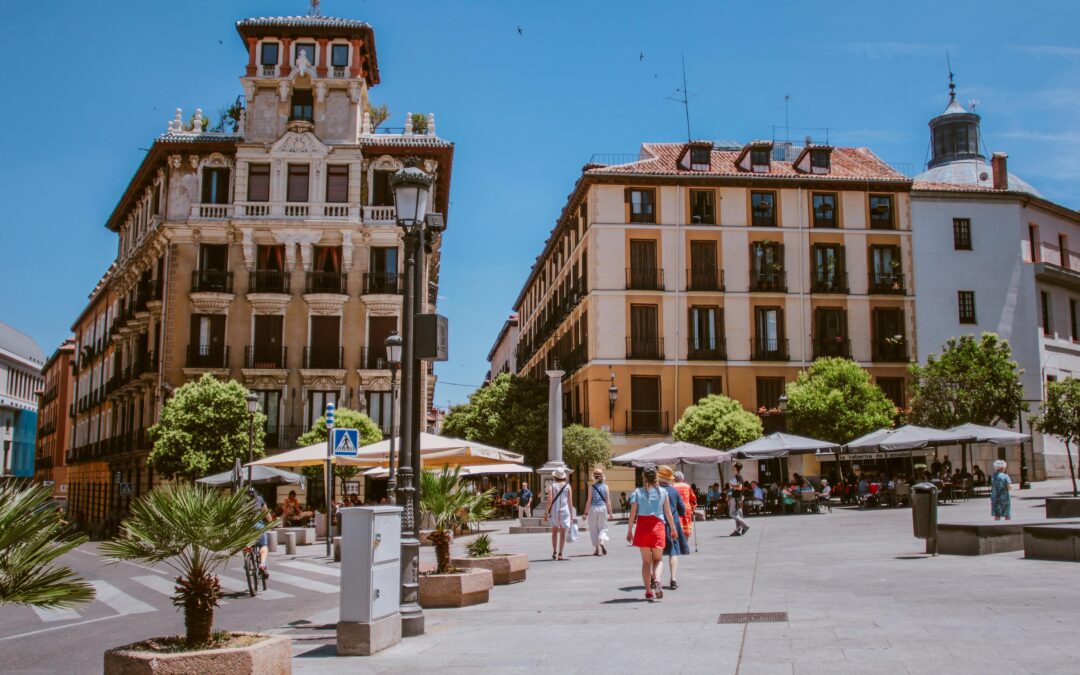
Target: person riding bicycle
x,y
262,543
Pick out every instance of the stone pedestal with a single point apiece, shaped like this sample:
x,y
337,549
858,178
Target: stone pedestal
x,y
1063,507
366,638
555,460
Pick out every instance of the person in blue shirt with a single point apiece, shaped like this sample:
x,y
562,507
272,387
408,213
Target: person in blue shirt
x,y
650,509
525,502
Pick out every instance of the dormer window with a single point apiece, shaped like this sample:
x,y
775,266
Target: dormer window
x,y
307,49
819,161
759,160
302,105
269,54
339,56
700,158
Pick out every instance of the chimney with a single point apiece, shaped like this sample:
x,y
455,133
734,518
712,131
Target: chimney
x,y
998,164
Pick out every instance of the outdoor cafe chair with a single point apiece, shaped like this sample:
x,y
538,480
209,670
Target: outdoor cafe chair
x,y
808,501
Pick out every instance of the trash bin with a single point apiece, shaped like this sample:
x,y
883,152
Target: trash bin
x,y
924,501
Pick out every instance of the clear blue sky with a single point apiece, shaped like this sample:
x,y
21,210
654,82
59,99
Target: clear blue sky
x,y
87,84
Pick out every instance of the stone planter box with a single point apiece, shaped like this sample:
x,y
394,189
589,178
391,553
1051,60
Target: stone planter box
x,y
469,587
505,569
1063,507
270,656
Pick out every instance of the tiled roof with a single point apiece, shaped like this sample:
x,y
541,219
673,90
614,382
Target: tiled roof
x,y
19,343
301,21
847,164
418,141
205,137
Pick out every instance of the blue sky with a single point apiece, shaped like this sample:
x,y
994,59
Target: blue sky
x,y
87,84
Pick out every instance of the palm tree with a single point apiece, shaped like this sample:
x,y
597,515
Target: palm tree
x,y
446,496
194,530
32,536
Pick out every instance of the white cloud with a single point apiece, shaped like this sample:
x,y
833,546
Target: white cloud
x,y
1041,136
889,50
1047,50
871,136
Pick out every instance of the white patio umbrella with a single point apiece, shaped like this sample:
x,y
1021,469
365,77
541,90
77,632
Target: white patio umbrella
x,y
781,445
990,435
676,452
259,475
436,451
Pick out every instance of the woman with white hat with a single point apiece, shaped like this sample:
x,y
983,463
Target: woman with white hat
x,y
597,512
560,506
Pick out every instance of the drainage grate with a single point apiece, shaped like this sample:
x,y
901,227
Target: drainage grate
x,y
753,617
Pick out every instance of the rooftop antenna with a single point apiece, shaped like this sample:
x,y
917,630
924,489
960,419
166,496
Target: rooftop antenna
x,y
685,100
787,126
313,10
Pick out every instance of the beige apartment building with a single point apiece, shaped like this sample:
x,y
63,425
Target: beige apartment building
x,y
695,269
268,253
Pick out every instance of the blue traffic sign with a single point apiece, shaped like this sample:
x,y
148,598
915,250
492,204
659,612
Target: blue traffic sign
x,y
346,442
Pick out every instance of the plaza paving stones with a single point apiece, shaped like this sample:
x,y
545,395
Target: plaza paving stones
x,y
860,594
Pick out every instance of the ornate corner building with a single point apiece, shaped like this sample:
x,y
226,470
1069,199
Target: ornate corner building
x,y
266,251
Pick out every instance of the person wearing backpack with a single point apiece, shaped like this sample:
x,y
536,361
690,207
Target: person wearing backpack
x,y
560,507
649,510
597,513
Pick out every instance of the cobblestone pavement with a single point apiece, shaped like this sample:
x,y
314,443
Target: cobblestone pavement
x,y
859,593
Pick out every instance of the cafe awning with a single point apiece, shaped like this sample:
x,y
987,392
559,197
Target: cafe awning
x,y
781,445
907,437
991,435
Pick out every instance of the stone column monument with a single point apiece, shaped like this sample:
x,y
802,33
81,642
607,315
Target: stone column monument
x,y
555,460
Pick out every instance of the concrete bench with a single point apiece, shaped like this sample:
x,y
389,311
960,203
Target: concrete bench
x,y
1063,507
304,535
980,538
1059,541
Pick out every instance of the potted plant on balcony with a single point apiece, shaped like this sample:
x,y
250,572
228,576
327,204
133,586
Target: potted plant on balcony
x,y
506,568
194,530
445,498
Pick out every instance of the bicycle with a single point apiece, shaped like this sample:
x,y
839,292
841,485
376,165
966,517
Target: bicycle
x,y
252,571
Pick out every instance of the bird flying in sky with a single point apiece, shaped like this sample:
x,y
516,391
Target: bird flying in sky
x,y
520,32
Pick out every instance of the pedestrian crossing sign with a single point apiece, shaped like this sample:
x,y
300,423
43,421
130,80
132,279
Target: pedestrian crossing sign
x,y
346,442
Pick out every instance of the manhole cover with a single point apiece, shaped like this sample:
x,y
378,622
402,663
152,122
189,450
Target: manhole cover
x,y
753,617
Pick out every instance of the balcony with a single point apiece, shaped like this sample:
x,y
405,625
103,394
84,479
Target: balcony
x,y
265,357
326,282
887,283
711,349
380,214
647,422
374,358
387,283
149,290
823,282
574,359
207,356
645,348
644,278
762,281
768,349
211,281
211,211
324,358
890,350
834,346
268,281
704,279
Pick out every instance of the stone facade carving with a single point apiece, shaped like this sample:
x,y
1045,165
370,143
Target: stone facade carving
x,y
211,303
247,245
325,304
383,305
346,251
268,303
301,143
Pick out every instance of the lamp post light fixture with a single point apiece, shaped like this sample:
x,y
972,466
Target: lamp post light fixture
x,y
393,356
252,408
612,395
781,403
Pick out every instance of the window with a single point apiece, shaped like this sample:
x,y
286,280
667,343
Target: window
x,y
763,209
337,183
215,186
378,409
893,387
700,156
819,159
890,343
769,341
965,301
645,413
961,234
703,272
269,401
307,49
642,205
644,341
707,386
825,210
316,405
881,212
258,183
379,328
759,158
828,269
1044,301
297,188
706,333
769,390
269,55
767,267
384,259
830,333
1063,250
1033,243
886,275
701,207
302,105
643,273
1074,321
382,195
339,56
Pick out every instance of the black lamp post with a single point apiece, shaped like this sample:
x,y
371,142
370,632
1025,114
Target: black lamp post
x,y
612,395
393,356
252,408
781,403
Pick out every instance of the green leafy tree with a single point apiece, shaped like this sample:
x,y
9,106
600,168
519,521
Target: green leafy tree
x,y
446,496
1061,417
203,429
586,447
32,537
510,412
194,530
379,114
835,400
970,381
344,418
717,422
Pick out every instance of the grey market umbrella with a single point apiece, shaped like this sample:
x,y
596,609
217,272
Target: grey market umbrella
x,y
781,445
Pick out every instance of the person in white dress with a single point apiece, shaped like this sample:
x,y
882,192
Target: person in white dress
x,y
560,505
597,512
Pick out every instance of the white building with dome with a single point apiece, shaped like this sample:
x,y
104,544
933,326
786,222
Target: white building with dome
x,y
992,254
21,359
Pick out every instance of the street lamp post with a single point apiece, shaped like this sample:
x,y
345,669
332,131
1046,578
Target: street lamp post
x,y
252,408
612,394
393,356
782,405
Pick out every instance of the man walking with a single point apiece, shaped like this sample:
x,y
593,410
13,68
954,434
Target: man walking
x,y
690,499
525,501
735,503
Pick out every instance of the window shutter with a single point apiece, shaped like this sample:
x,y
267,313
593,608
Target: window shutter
x,y
258,183
337,183
626,194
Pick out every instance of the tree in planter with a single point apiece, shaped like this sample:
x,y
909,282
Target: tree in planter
x,y
344,418
509,412
32,537
586,447
970,381
203,429
446,496
379,114
717,422
835,400
194,530
1061,417
419,123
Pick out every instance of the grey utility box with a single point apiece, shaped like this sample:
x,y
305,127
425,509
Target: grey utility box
x,y
924,519
370,579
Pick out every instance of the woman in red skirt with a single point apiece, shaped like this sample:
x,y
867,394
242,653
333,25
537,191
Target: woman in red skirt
x,y
649,510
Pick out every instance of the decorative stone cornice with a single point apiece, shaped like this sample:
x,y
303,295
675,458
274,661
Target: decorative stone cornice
x,y
319,378
211,303
260,378
382,304
325,304
269,303
195,373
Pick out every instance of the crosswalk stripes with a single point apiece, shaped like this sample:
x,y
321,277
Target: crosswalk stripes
x,y
121,602
278,576
317,569
60,614
240,586
155,583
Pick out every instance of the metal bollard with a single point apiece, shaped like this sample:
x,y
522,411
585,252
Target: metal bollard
x,y
271,541
337,549
290,543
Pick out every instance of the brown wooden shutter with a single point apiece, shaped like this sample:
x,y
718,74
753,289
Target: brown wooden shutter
x,y
259,183
298,183
337,183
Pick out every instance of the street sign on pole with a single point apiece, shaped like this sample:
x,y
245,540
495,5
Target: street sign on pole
x,y
346,442
125,489
328,476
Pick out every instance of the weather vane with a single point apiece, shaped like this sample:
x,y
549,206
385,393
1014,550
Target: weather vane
x,y
314,9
